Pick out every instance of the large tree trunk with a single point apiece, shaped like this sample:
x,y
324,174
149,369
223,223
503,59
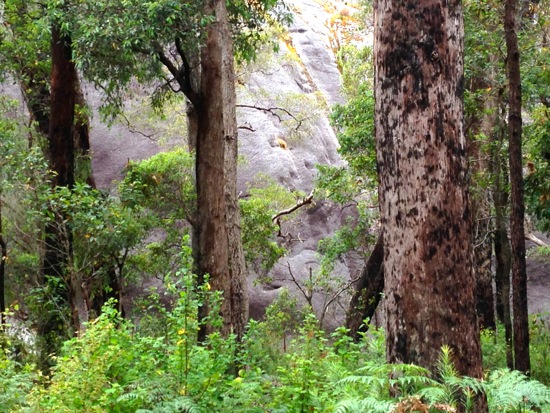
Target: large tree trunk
x,y
517,215
52,328
424,205
368,291
218,231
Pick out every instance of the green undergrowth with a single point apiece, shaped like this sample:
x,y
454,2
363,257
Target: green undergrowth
x,y
156,365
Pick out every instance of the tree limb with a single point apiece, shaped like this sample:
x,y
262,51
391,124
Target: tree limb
x,y
532,237
273,111
305,201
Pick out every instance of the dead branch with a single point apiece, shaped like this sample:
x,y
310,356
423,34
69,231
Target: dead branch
x,y
273,111
532,237
305,201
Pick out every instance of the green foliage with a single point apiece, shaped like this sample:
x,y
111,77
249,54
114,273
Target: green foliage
x,y
355,184
117,41
15,381
511,391
494,348
165,186
258,233
165,182
265,199
118,366
537,184
25,43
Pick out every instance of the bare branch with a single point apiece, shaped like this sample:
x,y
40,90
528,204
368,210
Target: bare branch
x,y
247,126
535,239
132,130
305,201
273,111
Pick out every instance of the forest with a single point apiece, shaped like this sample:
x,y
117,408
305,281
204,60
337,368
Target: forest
x,y
275,206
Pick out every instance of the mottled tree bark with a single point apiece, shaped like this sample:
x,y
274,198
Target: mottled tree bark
x,y
217,230
424,205
517,215
368,291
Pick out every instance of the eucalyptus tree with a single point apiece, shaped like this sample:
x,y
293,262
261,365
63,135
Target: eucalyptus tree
x,y
517,215
185,47
424,206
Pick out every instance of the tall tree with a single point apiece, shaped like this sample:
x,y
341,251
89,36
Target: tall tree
x,y
517,216
188,46
58,241
220,253
425,213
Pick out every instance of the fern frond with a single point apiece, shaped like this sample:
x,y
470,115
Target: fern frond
x,y
179,405
508,389
370,404
367,405
368,381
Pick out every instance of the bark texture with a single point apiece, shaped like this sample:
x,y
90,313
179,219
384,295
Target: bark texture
x,y
517,214
52,326
218,230
368,291
425,213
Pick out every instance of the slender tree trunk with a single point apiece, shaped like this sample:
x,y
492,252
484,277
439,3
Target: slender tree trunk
x,y
502,273
424,205
517,215
368,291
482,123
501,242
3,258
218,231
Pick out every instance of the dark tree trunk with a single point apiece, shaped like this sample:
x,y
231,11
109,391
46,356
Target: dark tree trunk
x,y
502,278
368,291
517,215
52,328
3,258
424,205
62,113
218,232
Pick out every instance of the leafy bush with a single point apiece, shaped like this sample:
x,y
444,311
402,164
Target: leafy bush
x,y
15,382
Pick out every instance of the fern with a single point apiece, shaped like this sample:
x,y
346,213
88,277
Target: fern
x,y
508,390
179,405
368,404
